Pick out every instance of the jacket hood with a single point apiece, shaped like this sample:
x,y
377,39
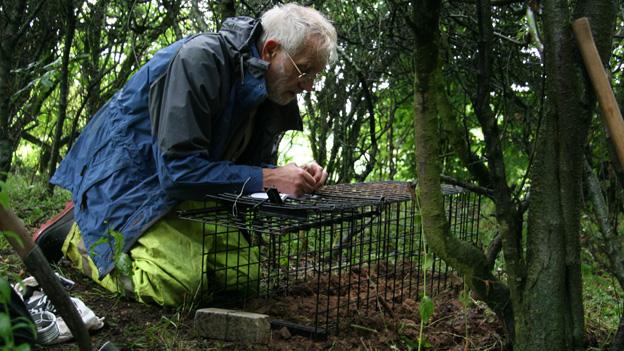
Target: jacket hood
x,y
241,31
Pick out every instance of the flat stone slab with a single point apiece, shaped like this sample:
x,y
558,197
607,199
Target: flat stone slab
x,y
233,325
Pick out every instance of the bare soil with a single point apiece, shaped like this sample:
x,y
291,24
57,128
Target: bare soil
x,y
134,326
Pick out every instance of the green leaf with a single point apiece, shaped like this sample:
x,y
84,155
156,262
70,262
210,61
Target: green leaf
x,y
124,264
586,268
102,240
5,325
12,235
48,78
23,347
4,195
425,308
411,344
425,343
21,325
119,242
24,323
5,291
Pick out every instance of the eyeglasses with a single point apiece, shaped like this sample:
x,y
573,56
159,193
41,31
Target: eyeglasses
x,y
303,76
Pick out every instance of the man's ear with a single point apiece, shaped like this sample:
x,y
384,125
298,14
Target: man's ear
x,y
269,49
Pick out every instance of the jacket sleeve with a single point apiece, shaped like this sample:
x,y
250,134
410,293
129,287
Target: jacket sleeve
x,y
183,104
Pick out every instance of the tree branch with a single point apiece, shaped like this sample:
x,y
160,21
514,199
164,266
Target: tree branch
x,y
472,187
506,212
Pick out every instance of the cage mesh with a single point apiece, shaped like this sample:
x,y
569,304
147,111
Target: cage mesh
x,y
329,256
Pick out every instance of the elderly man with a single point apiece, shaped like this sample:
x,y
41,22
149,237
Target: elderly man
x,y
203,116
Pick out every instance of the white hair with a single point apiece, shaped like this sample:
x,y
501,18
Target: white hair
x,y
293,25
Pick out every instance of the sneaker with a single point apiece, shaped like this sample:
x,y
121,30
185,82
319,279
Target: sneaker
x,y
51,235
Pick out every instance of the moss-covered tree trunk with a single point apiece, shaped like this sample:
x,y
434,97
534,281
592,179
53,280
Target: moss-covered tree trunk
x,y
543,272
466,258
552,289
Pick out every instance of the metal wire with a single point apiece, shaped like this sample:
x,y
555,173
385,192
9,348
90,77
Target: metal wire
x,y
351,247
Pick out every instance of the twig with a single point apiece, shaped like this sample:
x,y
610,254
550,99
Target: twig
x,y
361,327
379,300
364,344
472,187
385,305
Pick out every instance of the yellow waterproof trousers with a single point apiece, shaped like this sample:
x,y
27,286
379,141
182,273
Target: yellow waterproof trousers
x,y
166,261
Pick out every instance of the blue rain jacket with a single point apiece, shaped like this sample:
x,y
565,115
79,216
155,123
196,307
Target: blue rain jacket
x,y
162,138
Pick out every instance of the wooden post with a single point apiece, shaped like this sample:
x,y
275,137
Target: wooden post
x,y
611,114
38,266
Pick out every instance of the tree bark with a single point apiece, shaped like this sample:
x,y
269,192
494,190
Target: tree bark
x,y
461,146
553,286
58,132
463,256
606,237
7,46
29,31
96,17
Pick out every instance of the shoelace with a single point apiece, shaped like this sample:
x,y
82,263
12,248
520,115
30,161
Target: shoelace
x,y
39,304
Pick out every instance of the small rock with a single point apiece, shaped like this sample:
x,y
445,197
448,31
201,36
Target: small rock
x,y
231,325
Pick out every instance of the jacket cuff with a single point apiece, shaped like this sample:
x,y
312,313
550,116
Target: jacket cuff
x,y
254,185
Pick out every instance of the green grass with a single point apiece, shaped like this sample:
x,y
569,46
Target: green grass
x,y
29,199
31,203
602,297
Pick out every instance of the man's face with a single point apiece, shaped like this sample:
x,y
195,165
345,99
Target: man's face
x,y
282,80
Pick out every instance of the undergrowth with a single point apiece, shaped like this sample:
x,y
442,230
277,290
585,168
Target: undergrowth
x,y
29,199
602,296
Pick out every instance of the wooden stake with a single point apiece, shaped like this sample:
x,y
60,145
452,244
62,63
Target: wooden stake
x,y
611,114
38,266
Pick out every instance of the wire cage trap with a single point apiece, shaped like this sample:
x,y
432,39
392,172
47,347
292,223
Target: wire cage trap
x,y
317,263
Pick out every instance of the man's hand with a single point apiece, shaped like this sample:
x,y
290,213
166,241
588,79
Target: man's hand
x,y
294,180
317,172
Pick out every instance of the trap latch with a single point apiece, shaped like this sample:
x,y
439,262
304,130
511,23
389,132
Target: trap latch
x,y
274,196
